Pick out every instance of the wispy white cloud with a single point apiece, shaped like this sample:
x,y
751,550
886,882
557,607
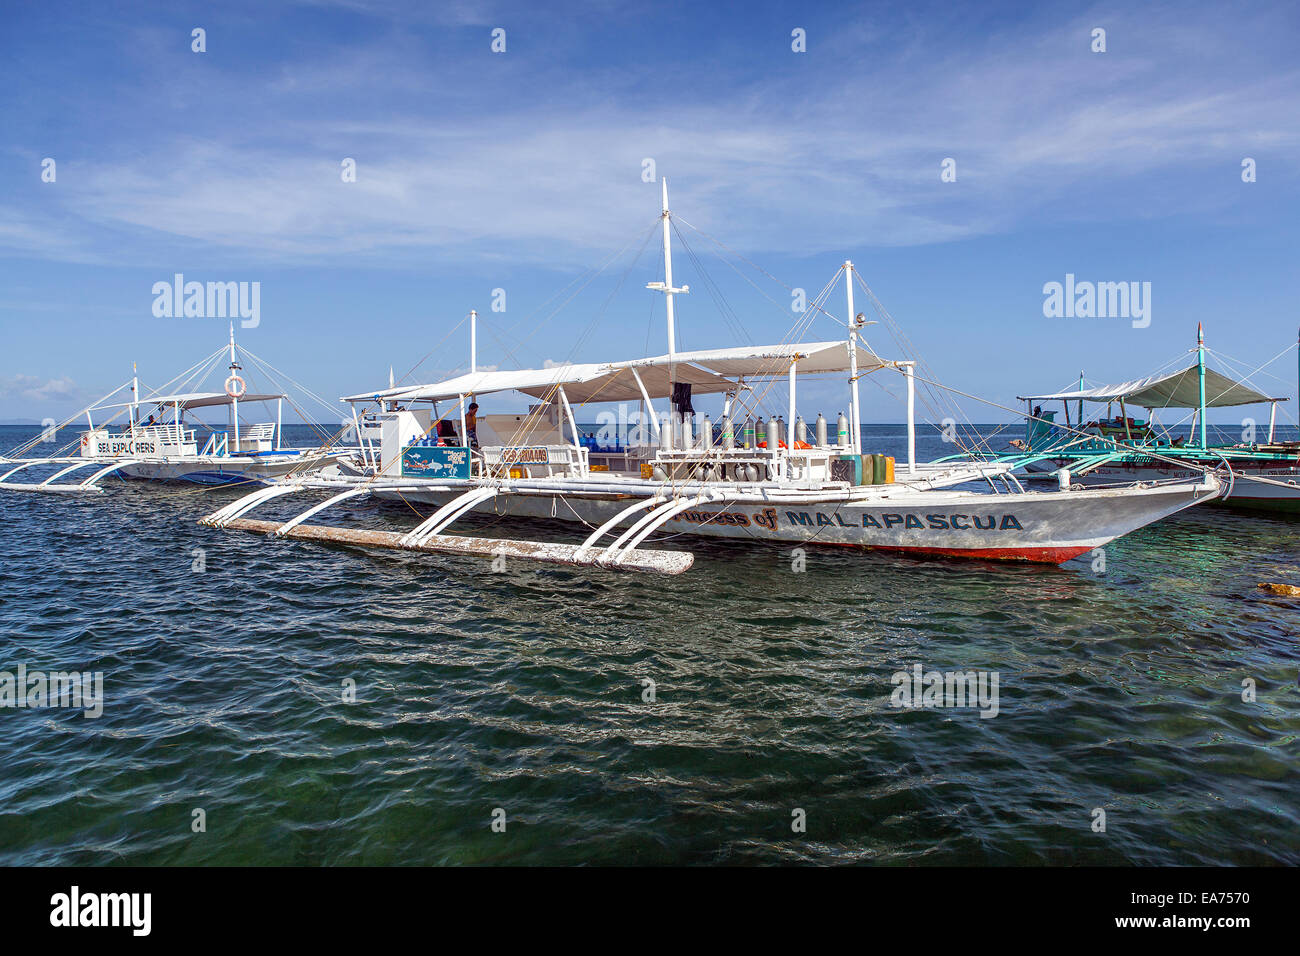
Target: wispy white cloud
x,y
851,156
33,388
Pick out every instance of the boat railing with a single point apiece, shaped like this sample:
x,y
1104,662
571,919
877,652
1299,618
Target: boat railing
x,y
168,434
139,441
256,438
218,445
534,461
798,465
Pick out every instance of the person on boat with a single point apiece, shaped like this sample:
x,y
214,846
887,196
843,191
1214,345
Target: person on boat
x,y
471,424
446,432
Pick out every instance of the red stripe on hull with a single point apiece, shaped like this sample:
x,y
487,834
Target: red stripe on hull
x,y
1036,555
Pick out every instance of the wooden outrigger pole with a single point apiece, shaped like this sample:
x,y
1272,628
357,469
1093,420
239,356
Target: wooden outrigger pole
x,y
624,554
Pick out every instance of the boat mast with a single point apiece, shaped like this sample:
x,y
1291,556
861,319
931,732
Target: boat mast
x,y
909,370
1200,372
855,439
1078,411
666,287
473,341
135,396
234,402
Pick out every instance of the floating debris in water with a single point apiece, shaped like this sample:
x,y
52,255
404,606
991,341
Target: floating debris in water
x,y
1290,590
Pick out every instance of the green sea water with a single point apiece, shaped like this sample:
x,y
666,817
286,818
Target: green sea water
x,y
521,696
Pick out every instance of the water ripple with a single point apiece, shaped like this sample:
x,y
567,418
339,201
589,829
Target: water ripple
x,y
523,690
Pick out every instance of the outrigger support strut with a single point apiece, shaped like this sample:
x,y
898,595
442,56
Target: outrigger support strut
x,y
427,537
445,515
292,523
71,468
223,516
628,541
93,481
616,520
49,484
26,464
1092,464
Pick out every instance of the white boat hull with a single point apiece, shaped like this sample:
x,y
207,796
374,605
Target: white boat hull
x,y
224,470
1048,527
1278,489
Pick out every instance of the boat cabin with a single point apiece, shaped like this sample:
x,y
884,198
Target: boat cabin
x,y
165,433
648,429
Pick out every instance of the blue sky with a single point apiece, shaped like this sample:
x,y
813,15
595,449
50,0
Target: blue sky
x,y
523,171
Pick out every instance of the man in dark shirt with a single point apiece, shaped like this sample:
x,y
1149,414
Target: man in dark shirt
x,y
471,424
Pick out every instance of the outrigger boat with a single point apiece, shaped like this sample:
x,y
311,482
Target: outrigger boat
x,y
166,446
765,480
1261,475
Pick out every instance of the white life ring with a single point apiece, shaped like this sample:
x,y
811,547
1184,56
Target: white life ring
x,y
235,387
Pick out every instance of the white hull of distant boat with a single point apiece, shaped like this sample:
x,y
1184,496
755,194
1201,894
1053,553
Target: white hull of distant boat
x,y
81,475
1264,489
225,471
1111,451
170,449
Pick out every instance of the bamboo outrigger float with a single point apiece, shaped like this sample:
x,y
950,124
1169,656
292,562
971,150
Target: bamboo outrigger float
x,y
770,480
166,447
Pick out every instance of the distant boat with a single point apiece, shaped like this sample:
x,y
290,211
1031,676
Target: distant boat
x,y
1118,449
165,446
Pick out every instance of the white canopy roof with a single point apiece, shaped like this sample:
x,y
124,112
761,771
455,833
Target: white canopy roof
x,y
1179,389
194,400
537,381
765,361
711,370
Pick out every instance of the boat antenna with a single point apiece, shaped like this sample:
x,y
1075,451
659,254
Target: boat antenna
x,y
234,401
1200,372
666,287
473,341
855,438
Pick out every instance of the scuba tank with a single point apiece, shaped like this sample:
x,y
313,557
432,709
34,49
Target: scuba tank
x,y
747,434
706,433
821,430
801,430
728,435
773,434
842,430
